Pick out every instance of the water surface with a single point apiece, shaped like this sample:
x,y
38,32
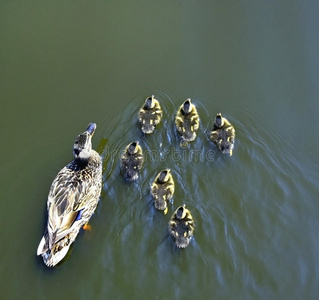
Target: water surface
x,y
64,65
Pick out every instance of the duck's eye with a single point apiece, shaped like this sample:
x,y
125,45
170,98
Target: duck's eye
x,y
76,151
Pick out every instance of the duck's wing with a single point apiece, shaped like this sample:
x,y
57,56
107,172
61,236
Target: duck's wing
x,y
169,188
230,133
179,121
157,112
214,135
139,160
68,197
141,114
194,119
189,222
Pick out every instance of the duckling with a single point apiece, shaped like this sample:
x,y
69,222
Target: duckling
x,y
162,190
187,121
181,226
72,199
150,115
223,135
132,161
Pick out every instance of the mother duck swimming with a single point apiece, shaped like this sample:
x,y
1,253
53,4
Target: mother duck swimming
x,y
72,199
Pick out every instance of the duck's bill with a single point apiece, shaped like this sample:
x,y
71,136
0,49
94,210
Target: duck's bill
x,y
91,128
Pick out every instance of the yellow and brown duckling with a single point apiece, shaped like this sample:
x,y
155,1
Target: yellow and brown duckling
x,y
181,226
187,121
72,199
162,190
223,135
132,161
150,115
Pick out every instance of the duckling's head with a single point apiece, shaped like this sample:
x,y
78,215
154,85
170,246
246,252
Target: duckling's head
x,y
181,212
82,145
164,176
149,102
132,148
219,121
187,106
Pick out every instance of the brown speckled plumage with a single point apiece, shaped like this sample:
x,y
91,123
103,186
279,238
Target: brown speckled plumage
x,y
72,199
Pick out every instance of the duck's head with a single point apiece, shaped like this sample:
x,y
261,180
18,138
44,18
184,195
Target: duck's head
x,y
149,102
187,106
82,145
181,212
132,148
164,175
219,121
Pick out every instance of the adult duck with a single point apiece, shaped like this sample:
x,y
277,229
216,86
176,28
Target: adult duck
x,y
72,199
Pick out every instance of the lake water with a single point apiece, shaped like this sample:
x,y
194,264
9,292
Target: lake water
x,y
65,64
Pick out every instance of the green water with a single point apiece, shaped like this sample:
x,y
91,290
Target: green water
x,y
64,64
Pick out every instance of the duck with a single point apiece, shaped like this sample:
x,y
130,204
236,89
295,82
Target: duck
x,y
181,226
162,190
187,121
223,135
150,115
132,161
72,199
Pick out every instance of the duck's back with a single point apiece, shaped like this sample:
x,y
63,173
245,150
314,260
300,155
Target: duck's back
x,y
73,197
189,133
181,232
149,118
160,194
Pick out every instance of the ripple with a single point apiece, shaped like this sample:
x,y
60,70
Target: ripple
x,y
244,207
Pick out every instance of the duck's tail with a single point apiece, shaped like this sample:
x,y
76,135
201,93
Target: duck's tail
x,y
43,246
53,256
148,128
